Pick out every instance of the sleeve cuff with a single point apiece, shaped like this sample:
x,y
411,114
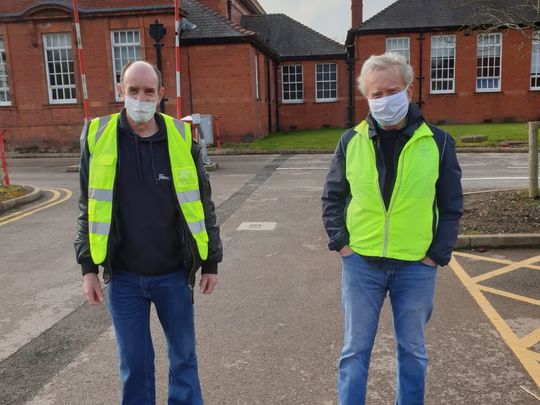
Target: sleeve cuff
x,y
89,267
210,268
338,244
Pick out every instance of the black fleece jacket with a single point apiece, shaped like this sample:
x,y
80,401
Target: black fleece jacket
x,y
148,232
448,193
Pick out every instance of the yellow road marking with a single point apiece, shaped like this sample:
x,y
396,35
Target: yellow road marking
x,y
507,269
509,295
483,258
531,339
55,196
54,200
529,359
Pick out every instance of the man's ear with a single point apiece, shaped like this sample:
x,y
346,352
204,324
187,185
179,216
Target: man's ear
x,y
410,93
120,90
161,94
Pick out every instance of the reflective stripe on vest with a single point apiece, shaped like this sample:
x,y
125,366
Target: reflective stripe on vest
x,y
102,144
405,230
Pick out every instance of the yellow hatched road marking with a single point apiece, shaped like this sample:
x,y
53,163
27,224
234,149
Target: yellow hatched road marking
x,y
509,295
54,200
507,269
531,339
529,359
483,258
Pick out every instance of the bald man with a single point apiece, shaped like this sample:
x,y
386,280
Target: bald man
x,y
147,217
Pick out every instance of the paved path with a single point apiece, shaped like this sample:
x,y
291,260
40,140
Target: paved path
x,y
271,333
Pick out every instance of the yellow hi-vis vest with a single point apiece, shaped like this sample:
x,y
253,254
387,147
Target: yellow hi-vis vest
x,y
102,143
405,230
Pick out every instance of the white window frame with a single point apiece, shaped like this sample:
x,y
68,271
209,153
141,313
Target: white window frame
x,y
494,50
324,81
129,51
59,43
535,61
298,69
4,75
445,48
401,45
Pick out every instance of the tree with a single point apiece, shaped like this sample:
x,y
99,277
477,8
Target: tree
x,y
496,15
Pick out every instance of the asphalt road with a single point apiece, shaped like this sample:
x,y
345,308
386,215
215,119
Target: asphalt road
x,y
271,333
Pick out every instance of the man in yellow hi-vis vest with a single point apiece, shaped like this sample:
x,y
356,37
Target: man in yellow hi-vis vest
x,y
391,207
147,217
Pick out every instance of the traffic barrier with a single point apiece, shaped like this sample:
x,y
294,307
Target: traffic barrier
x,y
5,176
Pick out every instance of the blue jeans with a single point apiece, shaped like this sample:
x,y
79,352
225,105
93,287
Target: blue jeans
x,y
129,298
364,289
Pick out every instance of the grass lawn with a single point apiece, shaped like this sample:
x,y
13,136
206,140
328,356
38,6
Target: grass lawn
x,y
7,193
325,140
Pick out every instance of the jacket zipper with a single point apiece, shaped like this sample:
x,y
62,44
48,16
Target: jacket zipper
x,y
393,198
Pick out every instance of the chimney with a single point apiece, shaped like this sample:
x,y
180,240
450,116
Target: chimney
x,y
356,12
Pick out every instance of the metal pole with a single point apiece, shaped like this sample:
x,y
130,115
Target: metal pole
x,y
533,158
81,62
178,22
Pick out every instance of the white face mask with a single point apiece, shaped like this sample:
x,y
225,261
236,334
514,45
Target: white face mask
x,y
140,111
390,110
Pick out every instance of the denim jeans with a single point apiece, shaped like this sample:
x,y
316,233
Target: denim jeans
x,y
129,298
364,289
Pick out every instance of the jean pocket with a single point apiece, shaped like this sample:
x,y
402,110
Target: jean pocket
x,y
348,256
427,265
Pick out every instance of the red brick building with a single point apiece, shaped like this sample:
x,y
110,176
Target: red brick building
x,y
469,66
233,67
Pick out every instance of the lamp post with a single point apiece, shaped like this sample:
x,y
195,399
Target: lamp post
x,y
157,31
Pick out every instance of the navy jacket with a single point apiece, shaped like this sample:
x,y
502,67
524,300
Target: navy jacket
x,y
449,194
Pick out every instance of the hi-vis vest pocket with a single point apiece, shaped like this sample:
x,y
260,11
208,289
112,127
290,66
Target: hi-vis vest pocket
x,y
187,177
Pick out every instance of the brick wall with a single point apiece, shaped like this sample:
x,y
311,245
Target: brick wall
x,y
515,101
217,79
312,114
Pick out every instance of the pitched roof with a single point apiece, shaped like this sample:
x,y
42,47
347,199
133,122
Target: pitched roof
x,y
411,15
290,39
210,24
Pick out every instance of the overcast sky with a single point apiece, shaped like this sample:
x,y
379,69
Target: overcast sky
x,y
331,18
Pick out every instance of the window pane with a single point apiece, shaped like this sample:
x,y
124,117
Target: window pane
x,y
326,84
488,62
399,45
60,69
443,54
535,61
292,83
125,46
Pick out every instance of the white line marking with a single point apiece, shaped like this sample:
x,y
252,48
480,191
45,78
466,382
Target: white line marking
x,y
257,226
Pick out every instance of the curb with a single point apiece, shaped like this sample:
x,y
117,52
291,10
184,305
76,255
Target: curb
x,y
498,240
25,199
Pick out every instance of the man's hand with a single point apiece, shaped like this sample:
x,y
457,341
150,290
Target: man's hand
x,y
345,251
208,283
429,262
92,289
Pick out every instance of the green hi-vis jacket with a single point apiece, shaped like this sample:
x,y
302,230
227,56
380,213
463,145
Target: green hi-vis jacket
x,y
375,230
102,144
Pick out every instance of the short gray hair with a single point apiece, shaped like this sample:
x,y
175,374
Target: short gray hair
x,y
385,62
